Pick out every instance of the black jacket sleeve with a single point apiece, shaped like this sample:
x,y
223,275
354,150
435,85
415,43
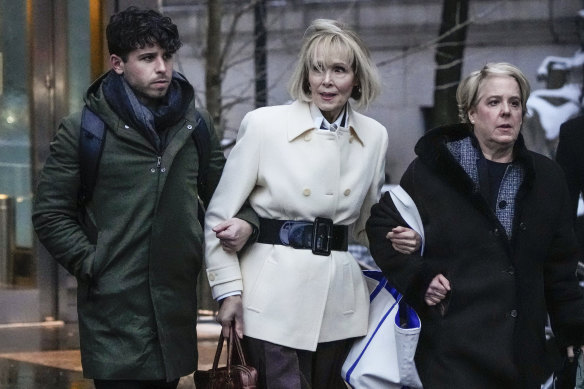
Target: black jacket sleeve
x,y
410,274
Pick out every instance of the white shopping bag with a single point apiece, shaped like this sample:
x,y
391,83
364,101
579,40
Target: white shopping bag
x,y
384,358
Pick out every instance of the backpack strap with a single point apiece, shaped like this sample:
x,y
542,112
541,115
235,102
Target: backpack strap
x,y
91,141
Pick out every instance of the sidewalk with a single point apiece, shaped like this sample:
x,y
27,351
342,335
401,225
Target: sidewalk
x,y
46,355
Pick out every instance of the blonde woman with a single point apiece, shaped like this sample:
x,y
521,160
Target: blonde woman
x,y
499,249
311,170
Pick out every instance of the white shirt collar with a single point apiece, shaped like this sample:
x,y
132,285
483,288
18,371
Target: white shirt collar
x,y
318,118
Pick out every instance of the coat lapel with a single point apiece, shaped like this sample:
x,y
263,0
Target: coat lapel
x,y
298,120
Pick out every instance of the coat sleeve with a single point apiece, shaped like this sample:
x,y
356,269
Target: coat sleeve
x,y
236,184
55,210
358,228
216,164
564,297
409,273
569,157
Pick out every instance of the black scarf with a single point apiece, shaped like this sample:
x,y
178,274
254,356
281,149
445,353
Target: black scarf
x,y
151,123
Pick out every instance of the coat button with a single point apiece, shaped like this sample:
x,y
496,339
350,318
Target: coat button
x,y
522,226
153,170
514,313
306,192
347,192
502,204
496,232
189,126
126,126
511,271
163,169
211,276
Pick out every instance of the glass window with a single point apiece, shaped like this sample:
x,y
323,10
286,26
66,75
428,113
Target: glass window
x,y
15,144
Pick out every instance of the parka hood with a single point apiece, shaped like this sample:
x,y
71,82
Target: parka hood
x,y
95,99
110,96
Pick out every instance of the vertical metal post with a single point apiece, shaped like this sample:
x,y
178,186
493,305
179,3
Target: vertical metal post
x,y
7,241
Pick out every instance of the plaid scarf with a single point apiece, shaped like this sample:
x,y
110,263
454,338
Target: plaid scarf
x,y
152,123
468,157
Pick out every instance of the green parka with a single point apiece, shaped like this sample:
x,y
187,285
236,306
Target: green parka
x,y
136,297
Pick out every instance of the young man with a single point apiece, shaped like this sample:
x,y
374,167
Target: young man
x,y
137,270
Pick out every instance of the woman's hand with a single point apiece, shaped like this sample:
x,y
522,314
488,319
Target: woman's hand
x,y
233,234
437,290
570,352
404,240
231,310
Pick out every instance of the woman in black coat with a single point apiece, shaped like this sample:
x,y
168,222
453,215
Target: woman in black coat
x,y
500,251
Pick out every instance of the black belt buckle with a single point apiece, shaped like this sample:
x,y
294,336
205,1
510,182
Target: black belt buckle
x,y
322,236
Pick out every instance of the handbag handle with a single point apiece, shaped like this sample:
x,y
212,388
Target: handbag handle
x,y
218,352
238,346
232,339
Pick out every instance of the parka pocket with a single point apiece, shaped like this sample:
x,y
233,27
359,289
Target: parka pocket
x,y
95,268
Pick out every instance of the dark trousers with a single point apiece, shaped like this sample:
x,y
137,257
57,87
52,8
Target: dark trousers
x,y
281,367
131,384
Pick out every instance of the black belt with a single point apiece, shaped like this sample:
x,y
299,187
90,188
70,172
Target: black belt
x,y
300,234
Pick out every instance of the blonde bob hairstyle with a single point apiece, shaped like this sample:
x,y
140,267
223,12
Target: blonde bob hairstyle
x,y
468,89
332,38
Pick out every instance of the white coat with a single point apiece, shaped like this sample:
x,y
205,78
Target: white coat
x,y
291,171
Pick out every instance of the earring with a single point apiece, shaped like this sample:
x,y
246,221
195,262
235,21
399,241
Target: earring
x,y
356,92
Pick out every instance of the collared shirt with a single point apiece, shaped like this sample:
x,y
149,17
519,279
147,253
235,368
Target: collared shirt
x,y
322,124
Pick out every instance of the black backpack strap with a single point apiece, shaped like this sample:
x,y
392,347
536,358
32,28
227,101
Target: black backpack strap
x,y
91,141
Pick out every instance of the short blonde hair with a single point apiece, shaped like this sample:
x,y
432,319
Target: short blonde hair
x,y
331,36
468,89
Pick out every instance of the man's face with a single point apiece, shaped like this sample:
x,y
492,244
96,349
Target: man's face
x,y
148,71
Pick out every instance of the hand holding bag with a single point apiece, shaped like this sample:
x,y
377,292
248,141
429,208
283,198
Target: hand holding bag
x,y
232,376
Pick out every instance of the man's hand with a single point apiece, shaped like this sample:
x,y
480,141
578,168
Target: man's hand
x,y
437,290
404,240
231,309
233,234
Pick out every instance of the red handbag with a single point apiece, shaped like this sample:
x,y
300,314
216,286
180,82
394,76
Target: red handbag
x,y
232,376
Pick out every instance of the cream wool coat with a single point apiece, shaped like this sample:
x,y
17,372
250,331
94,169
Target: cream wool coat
x,y
290,170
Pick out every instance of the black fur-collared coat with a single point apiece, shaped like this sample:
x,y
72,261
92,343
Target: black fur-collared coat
x,y
506,273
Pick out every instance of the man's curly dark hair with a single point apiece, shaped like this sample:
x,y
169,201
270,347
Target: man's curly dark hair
x,y
136,28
